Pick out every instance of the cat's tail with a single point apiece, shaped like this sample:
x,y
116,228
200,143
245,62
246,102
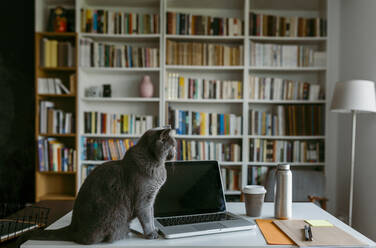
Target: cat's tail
x,y
63,234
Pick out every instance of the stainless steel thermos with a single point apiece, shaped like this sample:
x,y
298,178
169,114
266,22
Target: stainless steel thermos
x,y
283,192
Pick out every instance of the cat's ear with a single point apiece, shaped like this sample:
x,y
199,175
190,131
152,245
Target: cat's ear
x,y
165,133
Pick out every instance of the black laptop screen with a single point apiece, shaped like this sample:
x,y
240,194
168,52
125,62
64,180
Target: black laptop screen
x,y
191,188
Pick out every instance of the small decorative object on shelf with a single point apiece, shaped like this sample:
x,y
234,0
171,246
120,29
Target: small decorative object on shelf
x,y
93,91
146,87
16,219
58,20
107,90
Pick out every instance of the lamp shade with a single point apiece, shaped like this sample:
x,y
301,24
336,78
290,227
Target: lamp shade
x,y
354,95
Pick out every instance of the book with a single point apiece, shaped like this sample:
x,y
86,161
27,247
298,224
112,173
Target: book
x,y
180,87
103,21
188,24
55,121
103,54
261,24
52,86
266,88
187,122
55,156
203,54
116,123
231,179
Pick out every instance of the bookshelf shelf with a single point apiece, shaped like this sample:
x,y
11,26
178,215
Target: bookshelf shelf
x,y
232,192
57,34
289,39
279,137
120,36
57,197
290,163
193,67
221,163
57,68
297,69
55,96
204,37
229,163
205,100
111,135
287,101
71,135
208,136
67,173
115,69
120,99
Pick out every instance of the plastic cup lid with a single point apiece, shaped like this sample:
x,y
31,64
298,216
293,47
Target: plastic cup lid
x,y
254,189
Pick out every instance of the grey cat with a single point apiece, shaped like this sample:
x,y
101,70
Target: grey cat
x,y
116,192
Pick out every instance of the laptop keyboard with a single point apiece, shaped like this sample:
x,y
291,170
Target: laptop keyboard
x,y
183,220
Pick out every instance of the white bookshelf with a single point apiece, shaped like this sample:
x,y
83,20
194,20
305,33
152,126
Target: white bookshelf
x,y
125,81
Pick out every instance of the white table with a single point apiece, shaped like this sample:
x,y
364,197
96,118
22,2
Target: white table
x,y
251,238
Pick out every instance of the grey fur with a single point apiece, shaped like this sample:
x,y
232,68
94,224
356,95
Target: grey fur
x,y
116,192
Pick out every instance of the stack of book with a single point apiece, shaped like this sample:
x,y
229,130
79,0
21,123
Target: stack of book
x,y
261,88
286,26
180,87
276,55
116,22
231,179
86,170
55,53
203,54
202,123
99,54
55,156
207,150
257,175
289,120
286,151
187,24
104,149
52,86
107,123
54,121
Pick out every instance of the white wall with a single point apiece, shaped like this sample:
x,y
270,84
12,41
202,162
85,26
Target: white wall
x,y
357,60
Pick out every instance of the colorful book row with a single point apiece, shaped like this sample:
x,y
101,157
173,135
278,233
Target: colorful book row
x,y
276,55
231,179
187,24
286,151
288,120
180,87
116,22
104,149
55,156
208,150
202,123
99,54
261,88
107,123
286,26
203,54
55,121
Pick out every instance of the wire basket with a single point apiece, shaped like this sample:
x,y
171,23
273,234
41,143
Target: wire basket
x,y
16,219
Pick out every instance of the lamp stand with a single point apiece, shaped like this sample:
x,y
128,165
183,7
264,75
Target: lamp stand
x,y
352,165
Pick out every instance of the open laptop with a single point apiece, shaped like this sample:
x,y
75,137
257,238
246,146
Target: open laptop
x,y
191,202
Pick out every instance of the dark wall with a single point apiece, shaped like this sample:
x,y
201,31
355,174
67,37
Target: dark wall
x,y
17,158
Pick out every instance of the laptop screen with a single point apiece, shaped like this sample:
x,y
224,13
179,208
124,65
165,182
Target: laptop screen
x,y
192,187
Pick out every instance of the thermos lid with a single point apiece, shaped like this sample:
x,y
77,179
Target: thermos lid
x,y
254,189
283,167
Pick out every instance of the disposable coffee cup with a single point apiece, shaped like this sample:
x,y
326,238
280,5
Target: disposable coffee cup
x,y
254,198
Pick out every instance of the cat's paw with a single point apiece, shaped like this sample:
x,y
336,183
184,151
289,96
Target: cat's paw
x,y
152,235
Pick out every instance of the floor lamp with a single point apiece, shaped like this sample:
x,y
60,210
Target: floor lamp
x,y
353,96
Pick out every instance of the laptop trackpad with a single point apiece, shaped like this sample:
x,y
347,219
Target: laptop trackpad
x,y
208,226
